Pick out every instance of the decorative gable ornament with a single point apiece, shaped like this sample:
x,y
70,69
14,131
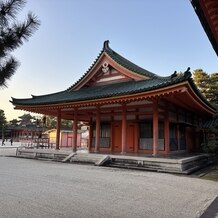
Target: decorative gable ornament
x,y
105,67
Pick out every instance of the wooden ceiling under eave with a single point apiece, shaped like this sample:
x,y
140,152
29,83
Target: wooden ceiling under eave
x,y
207,11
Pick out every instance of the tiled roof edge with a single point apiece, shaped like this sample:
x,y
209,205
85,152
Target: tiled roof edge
x,y
201,96
211,124
174,79
99,55
203,20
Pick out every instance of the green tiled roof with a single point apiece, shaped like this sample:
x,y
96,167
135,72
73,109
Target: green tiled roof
x,y
27,127
211,123
105,91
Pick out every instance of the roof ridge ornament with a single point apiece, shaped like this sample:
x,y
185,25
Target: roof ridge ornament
x,y
174,75
106,44
187,73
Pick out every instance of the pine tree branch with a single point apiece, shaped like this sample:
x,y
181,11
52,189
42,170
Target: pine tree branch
x,y
26,29
8,41
12,38
7,69
9,9
12,35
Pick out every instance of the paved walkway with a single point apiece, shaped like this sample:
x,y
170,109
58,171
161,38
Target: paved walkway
x,y
8,149
36,189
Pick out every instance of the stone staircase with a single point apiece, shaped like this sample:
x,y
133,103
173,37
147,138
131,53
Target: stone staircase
x,y
41,154
181,165
185,165
95,159
61,156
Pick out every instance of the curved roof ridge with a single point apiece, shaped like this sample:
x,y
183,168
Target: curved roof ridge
x,y
120,60
201,96
38,96
126,63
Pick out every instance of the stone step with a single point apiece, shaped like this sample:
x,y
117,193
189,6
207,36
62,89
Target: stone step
x,y
184,165
58,156
145,168
141,163
86,158
151,167
105,160
68,157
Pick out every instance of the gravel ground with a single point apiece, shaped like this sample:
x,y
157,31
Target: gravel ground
x,y
36,189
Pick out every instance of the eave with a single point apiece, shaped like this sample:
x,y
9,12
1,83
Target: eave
x,y
207,11
181,94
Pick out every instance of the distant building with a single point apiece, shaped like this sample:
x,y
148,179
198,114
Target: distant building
x,y
66,138
27,132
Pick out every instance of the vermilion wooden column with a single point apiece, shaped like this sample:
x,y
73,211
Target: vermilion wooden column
x,y
124,123
111,134
97,131
166,133
178,135
155,128
177,129
75,121
58,127
90,135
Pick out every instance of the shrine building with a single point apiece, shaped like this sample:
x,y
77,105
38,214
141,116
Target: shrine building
x,y
128,109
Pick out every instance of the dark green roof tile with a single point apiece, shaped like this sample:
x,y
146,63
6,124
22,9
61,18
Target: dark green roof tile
x,y
127,64
98,92
211,123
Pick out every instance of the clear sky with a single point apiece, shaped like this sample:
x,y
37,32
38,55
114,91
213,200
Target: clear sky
x,y
160,36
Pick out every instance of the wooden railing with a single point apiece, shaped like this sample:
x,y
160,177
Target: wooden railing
x,y
36,143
